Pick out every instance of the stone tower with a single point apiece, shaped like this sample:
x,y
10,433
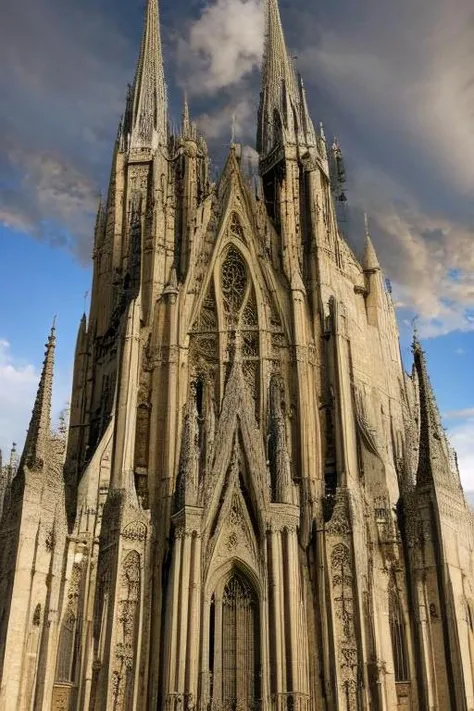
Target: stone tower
x,y
255,507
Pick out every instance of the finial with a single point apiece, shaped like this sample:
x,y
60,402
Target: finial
x,y
53,326
86,294
321,131
232,140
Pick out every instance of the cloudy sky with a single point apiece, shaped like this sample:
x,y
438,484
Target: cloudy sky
x,y
394,82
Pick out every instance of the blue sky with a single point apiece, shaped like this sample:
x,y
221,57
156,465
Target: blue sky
x,y
394,81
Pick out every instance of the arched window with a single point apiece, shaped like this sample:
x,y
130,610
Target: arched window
x,y
397,633
234,646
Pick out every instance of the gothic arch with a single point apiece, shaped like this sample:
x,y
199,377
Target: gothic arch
x,y
234,638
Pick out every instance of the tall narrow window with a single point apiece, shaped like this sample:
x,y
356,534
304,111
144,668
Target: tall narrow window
x,y
235,682
397,632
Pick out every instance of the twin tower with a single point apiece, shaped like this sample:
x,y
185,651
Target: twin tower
x,y
255,508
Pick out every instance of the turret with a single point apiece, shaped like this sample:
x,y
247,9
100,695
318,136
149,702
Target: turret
x,y
148,101
375,299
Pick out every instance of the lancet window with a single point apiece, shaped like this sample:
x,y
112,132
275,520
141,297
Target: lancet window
x,y
241,318
397,633
227,326
234,645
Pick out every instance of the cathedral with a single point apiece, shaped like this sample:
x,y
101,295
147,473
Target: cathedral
x,y
253,506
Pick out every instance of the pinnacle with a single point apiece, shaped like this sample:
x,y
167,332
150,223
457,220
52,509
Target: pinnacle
x,y
186,123
370,260
37,438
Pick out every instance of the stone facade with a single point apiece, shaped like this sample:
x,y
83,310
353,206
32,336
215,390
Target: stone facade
x,y
255,506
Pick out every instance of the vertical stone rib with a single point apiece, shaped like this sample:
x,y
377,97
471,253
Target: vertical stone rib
x,y
184,620
276,584
172,618
192,656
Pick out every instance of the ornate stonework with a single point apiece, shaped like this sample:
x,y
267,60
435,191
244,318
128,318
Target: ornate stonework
x,y
254,507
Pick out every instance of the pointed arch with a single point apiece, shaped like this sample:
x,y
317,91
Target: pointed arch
x,y
234,641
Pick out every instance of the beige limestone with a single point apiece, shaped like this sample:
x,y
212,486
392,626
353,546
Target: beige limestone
x,y
255,507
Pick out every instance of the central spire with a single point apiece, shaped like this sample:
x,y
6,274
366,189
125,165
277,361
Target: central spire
x,y
283,114
149,103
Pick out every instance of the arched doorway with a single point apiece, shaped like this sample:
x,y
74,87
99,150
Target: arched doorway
x,y
234,645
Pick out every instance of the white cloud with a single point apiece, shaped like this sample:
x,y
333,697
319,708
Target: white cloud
x,y
428,257
237,116
18,384
462,439
222,46
459,414
19,381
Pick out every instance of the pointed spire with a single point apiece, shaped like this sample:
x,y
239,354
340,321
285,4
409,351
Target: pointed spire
x,y
149,103
370,260
186,123
434,461
283,111
81,335
39,431
99,230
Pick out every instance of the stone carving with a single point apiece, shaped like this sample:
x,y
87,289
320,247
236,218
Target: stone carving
x,y
279,459
126,644
135,531
258,334
37,616
343,596
340,522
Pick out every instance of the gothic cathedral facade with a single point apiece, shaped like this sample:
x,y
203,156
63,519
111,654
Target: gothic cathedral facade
x,y
255,506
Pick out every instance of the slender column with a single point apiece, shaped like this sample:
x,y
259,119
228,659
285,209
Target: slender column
x,y
292,607
281,619
276,585
194,620
217,682
183,608
172,621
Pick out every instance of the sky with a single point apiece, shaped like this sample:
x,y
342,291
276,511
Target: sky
x,y
393,81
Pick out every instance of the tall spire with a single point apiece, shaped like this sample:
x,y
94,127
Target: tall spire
x,y
149,103
37,438
283,112
186,122
434,463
